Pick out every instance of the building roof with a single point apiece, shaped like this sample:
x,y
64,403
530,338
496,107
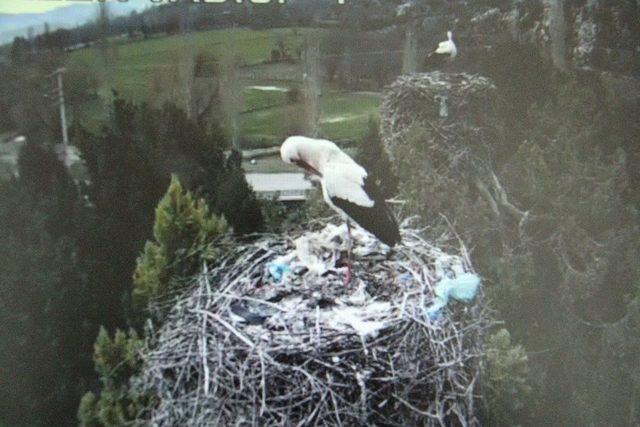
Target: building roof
x,y
278,181
288,186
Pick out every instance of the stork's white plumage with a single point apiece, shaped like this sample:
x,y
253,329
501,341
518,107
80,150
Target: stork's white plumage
x,y
447,47
346,186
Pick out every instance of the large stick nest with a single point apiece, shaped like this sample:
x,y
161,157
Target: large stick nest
x,y
458,111
240,348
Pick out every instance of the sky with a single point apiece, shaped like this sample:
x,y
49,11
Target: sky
x,y
32,6
37,6
16,16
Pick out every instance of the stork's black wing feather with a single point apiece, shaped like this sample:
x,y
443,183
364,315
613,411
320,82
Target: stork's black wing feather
x,y
378,219
435,60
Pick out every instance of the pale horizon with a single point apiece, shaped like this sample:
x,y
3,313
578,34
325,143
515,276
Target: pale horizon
x,y
40,6
33,6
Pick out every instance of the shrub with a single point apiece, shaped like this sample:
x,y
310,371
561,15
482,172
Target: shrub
x,y
183,234
507,375
115,361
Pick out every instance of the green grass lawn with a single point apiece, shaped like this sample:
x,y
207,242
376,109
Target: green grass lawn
x,y
136,69
344,116
133,64
265,95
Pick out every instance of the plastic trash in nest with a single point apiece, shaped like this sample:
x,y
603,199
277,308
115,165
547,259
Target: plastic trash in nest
x,y
249,315
308,255
462,288
406,277
361,319
277,270
359,296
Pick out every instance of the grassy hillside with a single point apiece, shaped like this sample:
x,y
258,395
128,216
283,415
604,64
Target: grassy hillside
x,y
132,64
138,70
344,116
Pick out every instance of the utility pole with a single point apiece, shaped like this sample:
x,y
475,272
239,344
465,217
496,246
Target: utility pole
x,y
63,115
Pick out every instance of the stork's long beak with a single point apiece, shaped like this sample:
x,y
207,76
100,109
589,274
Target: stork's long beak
x,y
306,166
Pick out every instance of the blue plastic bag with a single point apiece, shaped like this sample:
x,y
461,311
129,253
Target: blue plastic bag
x,y
462,288
278,270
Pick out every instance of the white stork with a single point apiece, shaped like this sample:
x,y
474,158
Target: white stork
x,y
346,187
447,47
445,52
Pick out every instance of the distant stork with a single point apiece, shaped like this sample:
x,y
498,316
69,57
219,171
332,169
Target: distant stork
x,y
346,187
446,51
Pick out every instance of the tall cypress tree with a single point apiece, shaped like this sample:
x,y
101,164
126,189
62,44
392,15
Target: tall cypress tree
x,y
45,306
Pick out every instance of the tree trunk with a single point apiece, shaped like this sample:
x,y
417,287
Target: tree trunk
x,y
312,84
410,53
558,30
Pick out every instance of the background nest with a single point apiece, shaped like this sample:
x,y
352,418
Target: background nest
x,y
453,109
240,348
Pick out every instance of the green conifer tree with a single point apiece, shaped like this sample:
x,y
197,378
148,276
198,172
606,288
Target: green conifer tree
x,y
45,308
183,234
115,361
184,231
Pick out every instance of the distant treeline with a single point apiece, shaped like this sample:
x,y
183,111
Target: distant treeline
x,y
182,17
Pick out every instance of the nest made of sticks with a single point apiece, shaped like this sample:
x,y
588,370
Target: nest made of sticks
x,y
239,347
454,108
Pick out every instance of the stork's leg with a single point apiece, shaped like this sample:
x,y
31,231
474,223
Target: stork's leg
x,y
347,279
